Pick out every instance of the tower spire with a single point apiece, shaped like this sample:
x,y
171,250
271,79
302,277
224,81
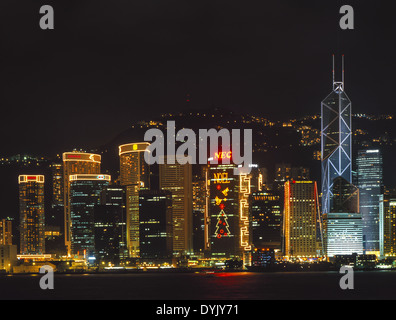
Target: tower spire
x,y
338,86
343,72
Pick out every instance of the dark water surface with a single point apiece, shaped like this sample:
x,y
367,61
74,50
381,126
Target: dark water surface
x,y
194,286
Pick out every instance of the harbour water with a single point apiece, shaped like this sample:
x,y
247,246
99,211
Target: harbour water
x,y
202,286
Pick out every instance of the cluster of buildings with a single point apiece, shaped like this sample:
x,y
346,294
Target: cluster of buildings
x,y
210,217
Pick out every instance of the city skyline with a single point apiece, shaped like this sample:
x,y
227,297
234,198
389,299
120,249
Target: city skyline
x,y
197,150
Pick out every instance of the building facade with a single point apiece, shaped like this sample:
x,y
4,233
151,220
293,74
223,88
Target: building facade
x,y
31,214
177,179
85,193
343,224
6,231
343,233
156,238
369,182
75,163
110,227
266,215
134,176
57,184
301,214
228,218
8,257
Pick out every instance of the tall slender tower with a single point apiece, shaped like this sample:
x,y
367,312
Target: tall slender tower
x,y
134,176
76,163
177,178
336,153
31,206
370,183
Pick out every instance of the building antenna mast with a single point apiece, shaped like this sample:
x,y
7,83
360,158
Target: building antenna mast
x,y
333,70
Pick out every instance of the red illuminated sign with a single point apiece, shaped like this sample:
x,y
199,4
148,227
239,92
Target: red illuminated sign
x,y
223,155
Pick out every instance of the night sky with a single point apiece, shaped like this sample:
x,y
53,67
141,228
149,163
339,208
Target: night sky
x,y
110,63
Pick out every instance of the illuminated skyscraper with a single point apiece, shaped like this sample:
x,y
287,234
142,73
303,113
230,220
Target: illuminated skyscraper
x,y
177,178
229,228
135,176
336,151
32,219
85,192
343,225
301,213
224,227
369,182
76,163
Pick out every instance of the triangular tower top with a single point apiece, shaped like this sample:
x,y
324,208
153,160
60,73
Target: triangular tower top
x,y
338,86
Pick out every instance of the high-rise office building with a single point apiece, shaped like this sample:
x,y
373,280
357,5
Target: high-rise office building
x,y
135,176
85,192
155,211
75,163
336,150
224,225
177,179
229,228
301,213
343,225
266,216
31,214
110,227
6,231
369,182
